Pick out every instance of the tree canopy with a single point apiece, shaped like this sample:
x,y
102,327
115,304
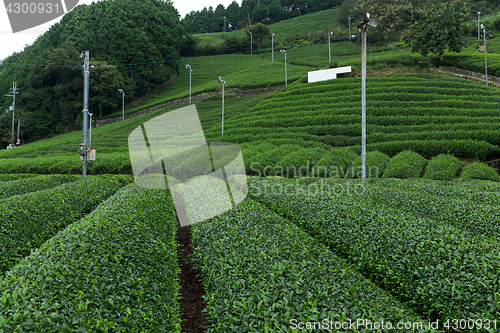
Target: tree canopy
x,y
141,38
250,12
438,27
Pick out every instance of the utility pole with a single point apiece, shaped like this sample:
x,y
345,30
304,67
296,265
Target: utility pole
x,y
272,47
485,63
18,130
84,146
349,29
13,107
478,31
223,85
286,80
364,29
251,43
123,104
190,71
329,49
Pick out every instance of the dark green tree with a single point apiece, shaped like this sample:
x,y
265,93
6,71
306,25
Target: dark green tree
x,y
439,27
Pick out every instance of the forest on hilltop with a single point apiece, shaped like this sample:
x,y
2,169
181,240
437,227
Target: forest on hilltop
x,y
141,37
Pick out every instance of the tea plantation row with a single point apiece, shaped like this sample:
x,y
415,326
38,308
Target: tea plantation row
x,y
294,257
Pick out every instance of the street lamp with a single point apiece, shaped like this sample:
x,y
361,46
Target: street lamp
x,y
478,31
223,85
190,71
286,80
363,28
251,43
224,24
329,49
13,106
272,47
123,103
349,29
485,63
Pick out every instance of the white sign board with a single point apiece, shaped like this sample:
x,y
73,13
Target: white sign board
x,y
327,74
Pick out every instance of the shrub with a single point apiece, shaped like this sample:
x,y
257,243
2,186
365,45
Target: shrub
x,y
443,167
28,220
27,185
113,271
375,164
406,164
298,163
334,163
479,171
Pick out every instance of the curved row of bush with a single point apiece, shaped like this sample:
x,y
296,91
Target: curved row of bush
x,y
110,163
293,160
113,271
261,273
27,221
443,271
33,184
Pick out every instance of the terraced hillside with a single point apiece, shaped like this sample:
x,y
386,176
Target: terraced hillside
x,y
429,114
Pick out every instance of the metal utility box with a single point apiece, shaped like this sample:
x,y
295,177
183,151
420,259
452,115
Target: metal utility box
x,y
82,149
90,155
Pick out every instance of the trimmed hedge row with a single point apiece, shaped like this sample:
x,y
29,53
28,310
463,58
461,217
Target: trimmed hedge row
x,y
406,164
261,273
443,167
469,208
113,271
334,163
33,184
429,148
10,177
106,163
443,271
27,221
376,163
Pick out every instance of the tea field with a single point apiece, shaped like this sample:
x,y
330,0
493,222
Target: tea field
x,y
101,256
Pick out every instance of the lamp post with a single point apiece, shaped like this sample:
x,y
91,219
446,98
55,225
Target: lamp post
x,y
13,107
83,149
190,71
272,47
349,29
224,24
364,23
485,63
251,43
123,103
329,49
286,80
223,85
478,31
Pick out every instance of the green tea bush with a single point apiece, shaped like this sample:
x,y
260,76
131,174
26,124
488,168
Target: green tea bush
x,y
113,271
334,163
443,167
479,171
406,164
298,163
410,255
429,148
376,163
261,272
7,177
27,221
